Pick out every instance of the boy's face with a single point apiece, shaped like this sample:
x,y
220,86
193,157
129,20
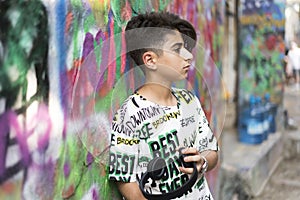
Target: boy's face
x,y
173,64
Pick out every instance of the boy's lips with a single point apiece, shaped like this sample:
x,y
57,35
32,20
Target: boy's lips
x,y
186,67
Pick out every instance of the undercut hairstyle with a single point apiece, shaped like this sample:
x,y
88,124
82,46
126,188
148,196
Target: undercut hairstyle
x,y
146,32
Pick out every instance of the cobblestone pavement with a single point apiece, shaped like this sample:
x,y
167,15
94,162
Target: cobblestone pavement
x,y
284,184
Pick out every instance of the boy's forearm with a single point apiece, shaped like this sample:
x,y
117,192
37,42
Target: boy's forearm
x,y
130,191
211,157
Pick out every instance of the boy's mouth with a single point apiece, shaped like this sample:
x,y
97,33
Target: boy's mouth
x,y
186,67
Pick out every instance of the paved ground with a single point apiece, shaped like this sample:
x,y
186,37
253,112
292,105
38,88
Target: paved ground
x,y
285,182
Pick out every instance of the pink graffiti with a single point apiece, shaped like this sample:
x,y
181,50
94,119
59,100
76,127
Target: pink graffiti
x,y
10,126
44,134
9,123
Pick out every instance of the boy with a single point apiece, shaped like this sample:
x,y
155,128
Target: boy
x,y
157,119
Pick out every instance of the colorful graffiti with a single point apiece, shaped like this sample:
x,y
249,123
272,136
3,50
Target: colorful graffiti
x,y
63,73
262,49
261,59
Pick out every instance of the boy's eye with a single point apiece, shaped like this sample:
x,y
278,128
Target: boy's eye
x,y
177,50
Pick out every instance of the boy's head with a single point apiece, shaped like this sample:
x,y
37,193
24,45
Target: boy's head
x,y
147,32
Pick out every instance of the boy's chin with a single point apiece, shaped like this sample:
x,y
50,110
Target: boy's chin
x,y
181,78
178,77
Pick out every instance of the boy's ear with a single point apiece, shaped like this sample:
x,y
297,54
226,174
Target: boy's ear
x,y
149,59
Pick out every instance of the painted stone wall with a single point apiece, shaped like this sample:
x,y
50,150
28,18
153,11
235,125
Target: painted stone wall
x,y
63,74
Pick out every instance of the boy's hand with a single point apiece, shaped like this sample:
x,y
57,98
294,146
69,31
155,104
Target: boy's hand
x,y
210,156
195,157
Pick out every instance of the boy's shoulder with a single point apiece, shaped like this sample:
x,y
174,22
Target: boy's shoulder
x,y
133,104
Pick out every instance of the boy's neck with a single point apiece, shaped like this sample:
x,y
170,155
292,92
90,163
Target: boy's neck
x,y
158,93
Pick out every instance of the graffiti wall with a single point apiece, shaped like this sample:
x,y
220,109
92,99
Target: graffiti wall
x,y
262,50
63,74
262,47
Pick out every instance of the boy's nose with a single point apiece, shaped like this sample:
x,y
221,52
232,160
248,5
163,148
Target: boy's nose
x,y
186,55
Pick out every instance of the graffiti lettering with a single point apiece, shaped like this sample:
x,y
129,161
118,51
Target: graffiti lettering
x,y
165,146
131,126
121,128
166,118
261,20
151,111
206,197
142,115
145,132
190,141
127,141
121,164
203,143
112,139
174,184
186,95
121,179
185,122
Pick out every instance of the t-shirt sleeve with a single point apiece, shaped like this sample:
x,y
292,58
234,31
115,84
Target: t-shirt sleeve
x,y
123,150
205,140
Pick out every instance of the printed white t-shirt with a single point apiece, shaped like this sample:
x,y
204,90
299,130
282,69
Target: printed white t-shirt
x,y
142,130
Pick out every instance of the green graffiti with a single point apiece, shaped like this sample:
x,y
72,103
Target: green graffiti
x,y
260,67
88,23
25,45
112,99
76,49
76,3
83,173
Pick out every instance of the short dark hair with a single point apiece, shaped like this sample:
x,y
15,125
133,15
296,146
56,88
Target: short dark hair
x,y
147,31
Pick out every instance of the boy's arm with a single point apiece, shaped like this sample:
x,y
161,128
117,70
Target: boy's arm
x,y
130,191
123,157
211,157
